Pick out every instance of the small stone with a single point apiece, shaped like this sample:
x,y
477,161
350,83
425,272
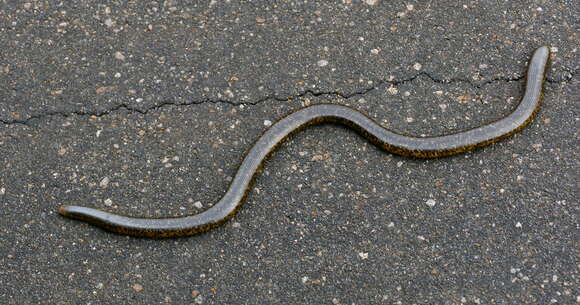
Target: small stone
x,y
229,93
109,22
322,63
56,92
317,158
363,255
108,202
195,293
430,202
2,191
137,287
119,55
410,7
198,204
409,120
267,123
392,90
104,182
260,20
304,280
102,90
375,51
417,66
27,5
518,224
236,224
463,99
371,2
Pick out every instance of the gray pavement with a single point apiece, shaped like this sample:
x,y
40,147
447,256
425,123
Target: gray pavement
x,y
146,108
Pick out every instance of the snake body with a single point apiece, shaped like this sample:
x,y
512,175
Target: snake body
x,y
410,146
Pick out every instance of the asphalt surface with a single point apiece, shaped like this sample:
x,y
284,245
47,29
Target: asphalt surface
x,y
146,108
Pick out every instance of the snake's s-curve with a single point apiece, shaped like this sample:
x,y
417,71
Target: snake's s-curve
x,y
418,147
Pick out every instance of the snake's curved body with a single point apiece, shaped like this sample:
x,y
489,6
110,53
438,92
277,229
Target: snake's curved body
x,y
418,147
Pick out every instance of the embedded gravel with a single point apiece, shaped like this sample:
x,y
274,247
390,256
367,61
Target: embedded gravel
x,y
145,108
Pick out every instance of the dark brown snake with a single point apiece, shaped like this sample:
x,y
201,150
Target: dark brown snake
x,y
404,145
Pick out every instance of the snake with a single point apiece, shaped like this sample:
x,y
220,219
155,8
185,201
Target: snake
x,y
390,141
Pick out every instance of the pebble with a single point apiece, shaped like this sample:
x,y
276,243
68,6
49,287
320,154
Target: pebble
x,y
108,202
137,287
199,299
104,182
417,66
371,2
2,191
267,123
109,22
322,63
119,55
198,204
430,202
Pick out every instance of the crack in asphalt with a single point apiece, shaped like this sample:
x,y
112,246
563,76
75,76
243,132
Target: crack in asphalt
x,y
305,93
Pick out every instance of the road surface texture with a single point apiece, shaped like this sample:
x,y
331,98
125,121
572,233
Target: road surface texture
x,y
146,108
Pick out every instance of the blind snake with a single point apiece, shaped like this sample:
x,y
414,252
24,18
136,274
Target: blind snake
x,y
404,145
